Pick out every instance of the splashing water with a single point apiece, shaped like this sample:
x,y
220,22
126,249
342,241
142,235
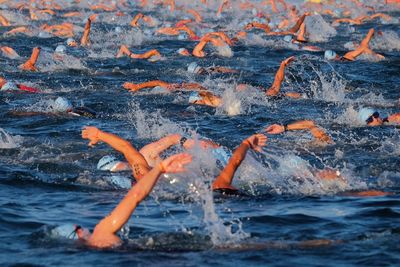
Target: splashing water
x,y
7,141
318,29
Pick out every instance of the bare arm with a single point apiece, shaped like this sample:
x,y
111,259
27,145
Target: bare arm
x,y
279,76
150,84
121,214
317,132
86,32
224,180
30,63
135,159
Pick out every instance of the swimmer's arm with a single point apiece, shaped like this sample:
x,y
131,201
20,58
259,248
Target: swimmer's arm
x,y
300,21
30,63
394,118
364,43
279,76
156,148
136,160
134,22
298,125
146,55
86,32
150,84
121,214
224,180
198,49
317,132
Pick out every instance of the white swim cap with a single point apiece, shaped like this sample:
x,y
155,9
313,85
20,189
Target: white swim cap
x,y
67,231
364,114
220,155
9,86
120,181
288,38
193,68
61,49
193,97
70,41
330,54
107,163
61,104
118,29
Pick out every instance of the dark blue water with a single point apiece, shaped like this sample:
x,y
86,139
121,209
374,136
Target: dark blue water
x,y
48,175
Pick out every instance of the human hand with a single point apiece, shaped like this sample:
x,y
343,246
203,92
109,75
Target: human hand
x,y
275,129
175,163
257,141
91,133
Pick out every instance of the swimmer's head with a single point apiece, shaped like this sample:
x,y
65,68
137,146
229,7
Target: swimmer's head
x,y
193,97
61,104
183,52
118,29
108,163
330,55
182,36
9,86
288,38
71,42
60,49
369,116
70,231
194,68
220,155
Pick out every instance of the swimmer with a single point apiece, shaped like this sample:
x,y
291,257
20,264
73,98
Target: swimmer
x,y
371,117
279,76
10,86
152,55
318,133
140,162
196,69
104,233
363,48
60,106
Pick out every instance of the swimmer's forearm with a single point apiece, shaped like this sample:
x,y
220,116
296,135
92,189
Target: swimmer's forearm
x,y
121,214
226,176
300,125
136,160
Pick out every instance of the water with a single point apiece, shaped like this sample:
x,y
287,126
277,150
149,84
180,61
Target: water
x,y
49,177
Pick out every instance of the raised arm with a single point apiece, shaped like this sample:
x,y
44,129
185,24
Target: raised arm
x,y
136,160
121,214
224,180
279,76
30,63
364,43
86,32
